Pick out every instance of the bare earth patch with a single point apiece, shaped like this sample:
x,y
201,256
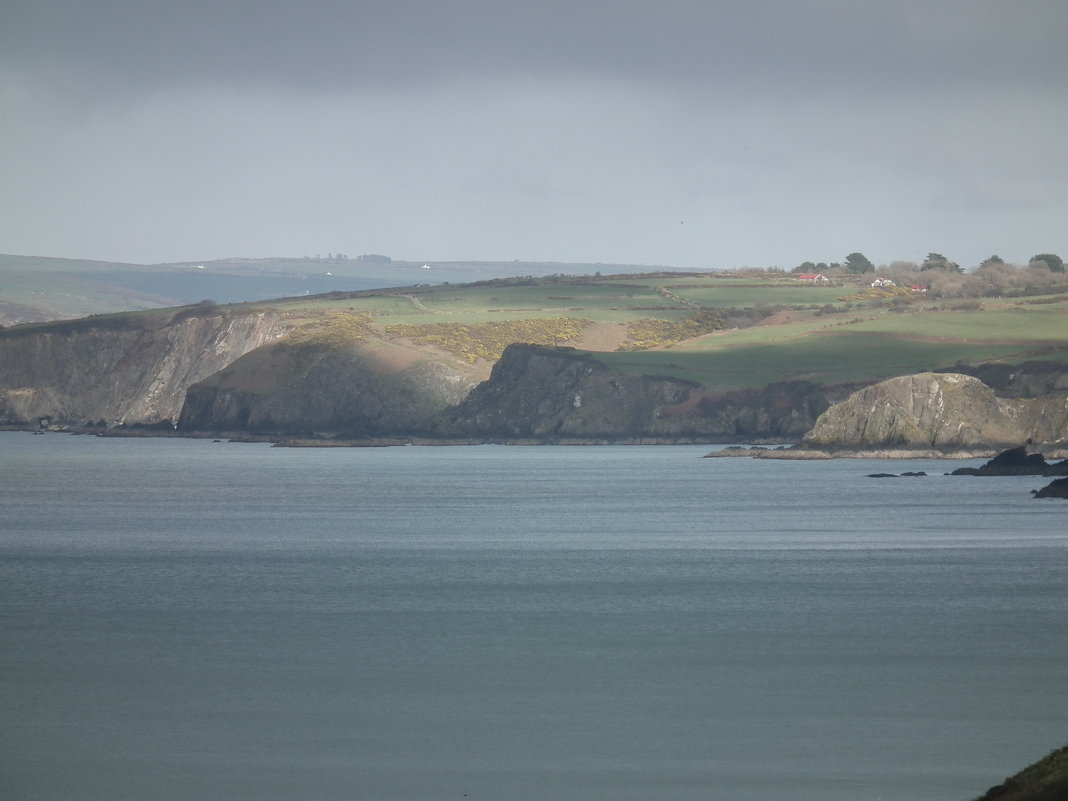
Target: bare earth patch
x,y
400,353
783,317
603,337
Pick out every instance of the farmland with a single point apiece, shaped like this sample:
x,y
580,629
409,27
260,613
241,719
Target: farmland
x,y
725,331
722,331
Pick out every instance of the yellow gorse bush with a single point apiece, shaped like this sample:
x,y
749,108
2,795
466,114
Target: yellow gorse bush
x,y
333,330
653,333
488,340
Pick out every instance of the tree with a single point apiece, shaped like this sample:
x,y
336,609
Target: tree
x,y
859,264
991,260
1052,260
936,261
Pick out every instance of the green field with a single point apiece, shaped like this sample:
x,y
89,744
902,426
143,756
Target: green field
x,y
809,337
763,328
821,358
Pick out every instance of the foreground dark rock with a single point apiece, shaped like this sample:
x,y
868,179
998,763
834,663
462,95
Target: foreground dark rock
x,y
1045,780
1016,462
1058,488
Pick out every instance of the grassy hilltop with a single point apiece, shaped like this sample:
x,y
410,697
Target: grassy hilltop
x,y
724,331
38,288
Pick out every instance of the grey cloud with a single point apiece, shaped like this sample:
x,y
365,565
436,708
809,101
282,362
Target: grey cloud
x,y
687,132
330,45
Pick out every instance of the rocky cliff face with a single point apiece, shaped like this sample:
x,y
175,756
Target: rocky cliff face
x,y
785,410
540,392
1033,379
122,369
938,410
241,377
284,388
544,392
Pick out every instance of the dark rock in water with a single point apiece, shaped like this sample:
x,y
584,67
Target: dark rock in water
x,y
882,475
1058,488
1016,462
915,473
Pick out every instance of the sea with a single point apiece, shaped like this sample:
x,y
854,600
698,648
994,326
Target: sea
x,y
188,620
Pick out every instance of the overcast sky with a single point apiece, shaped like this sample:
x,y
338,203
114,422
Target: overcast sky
x,y
669,132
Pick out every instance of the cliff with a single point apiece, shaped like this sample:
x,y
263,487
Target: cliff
x,y
543,392
339,377
784,410
122,369
354,391
938,410
551,393
1033,379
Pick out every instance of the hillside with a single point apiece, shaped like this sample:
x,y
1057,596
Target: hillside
x,y
1045,780
38,289
711,357
723,331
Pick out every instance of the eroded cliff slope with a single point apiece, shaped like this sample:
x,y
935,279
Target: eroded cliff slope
x,y
353,390
122,369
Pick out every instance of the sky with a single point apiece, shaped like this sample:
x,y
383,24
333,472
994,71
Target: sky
x,y
683,133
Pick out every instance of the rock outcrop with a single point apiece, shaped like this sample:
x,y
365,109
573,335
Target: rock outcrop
x,y
1034,379
122,369
283,388
539,392
1016,462
560,394
937,410
781,411
1058,488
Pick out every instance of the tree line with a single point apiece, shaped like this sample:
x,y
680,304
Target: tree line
x,y
942,277
857,263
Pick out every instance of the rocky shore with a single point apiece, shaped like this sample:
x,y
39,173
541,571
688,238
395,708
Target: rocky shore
x,y
801,452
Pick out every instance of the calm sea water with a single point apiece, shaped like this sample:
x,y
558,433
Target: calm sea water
x,y
191,620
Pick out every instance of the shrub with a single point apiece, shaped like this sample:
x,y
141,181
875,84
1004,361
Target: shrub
x,y
488,340
654,333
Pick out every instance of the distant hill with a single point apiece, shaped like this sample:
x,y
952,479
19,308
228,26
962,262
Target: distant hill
x,y
37,289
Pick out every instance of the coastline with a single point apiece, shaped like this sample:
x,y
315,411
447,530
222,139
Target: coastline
x,y
755,450
803,454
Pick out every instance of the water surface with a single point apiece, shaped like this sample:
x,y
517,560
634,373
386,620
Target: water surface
x,y
183,619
